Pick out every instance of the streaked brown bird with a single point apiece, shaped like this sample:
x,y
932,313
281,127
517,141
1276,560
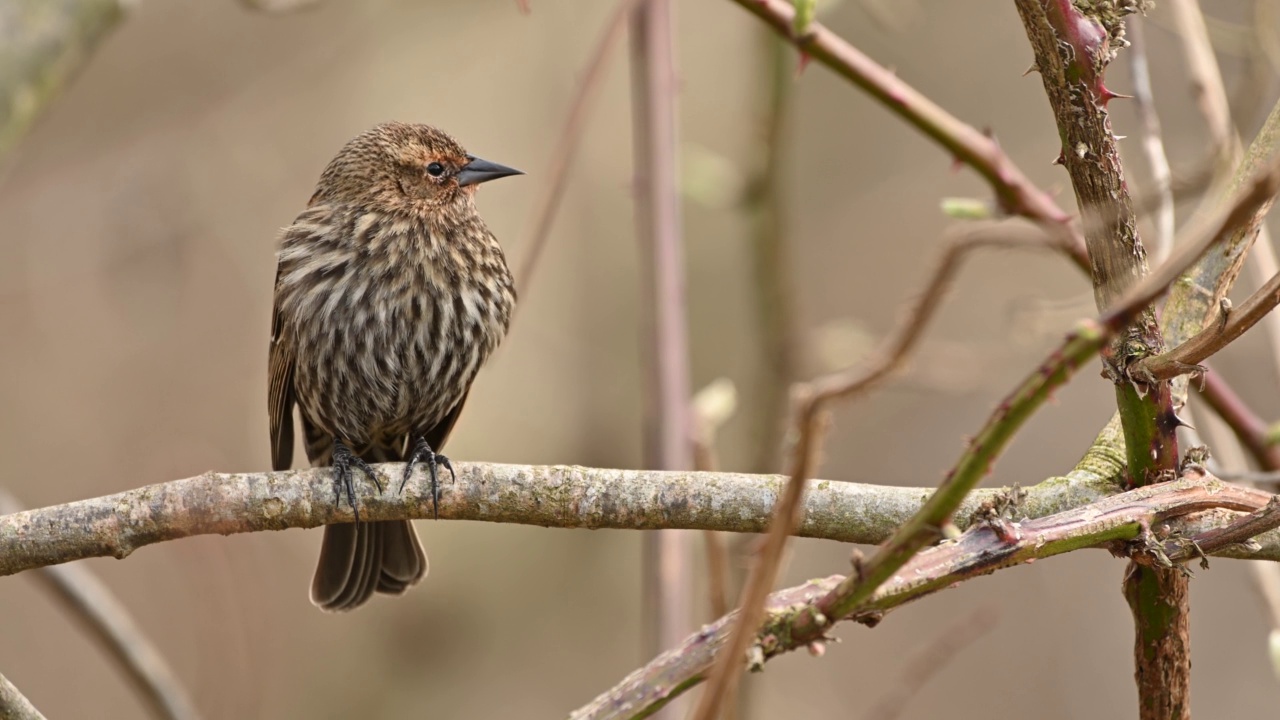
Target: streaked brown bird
x,y
390,294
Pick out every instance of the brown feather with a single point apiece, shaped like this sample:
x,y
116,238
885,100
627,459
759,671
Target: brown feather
x,y
390,294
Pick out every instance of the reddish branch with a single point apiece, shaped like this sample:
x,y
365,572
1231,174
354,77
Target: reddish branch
x,y
801,616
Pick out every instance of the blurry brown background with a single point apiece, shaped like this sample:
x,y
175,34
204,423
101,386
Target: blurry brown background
x,y
136,265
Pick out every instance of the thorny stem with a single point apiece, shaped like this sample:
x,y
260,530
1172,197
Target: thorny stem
x,y
797,617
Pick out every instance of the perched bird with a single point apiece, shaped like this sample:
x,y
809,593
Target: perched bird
x,y
390,294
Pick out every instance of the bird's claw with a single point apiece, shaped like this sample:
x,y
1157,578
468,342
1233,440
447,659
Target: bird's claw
x,y
344,479
422,452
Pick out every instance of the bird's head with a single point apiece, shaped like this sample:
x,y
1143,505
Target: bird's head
x,y
405,167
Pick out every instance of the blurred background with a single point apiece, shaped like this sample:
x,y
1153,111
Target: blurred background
x,y
139,219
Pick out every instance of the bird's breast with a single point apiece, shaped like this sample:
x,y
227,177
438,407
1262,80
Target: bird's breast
x,y
391,334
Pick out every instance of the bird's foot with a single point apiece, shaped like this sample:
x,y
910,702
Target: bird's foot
x,y
344,463
422,452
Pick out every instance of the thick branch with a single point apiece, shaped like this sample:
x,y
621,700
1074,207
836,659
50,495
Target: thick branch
x,y
547,496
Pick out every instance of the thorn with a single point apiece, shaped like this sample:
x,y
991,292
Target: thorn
x,y
1107,96
1224,314
1060,160
1034,68
805,59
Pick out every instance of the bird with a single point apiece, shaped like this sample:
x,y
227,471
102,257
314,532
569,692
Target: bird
x,y
390,294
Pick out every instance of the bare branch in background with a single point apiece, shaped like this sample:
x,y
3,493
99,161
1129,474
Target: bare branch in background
x,y
1206,80
43,44
14,705
668,578
780,345
966,144
1152,140
556,178
91,603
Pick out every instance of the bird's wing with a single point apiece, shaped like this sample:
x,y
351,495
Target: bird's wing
x,y
280,389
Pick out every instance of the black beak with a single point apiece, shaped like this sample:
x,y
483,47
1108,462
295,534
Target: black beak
x,y
477,171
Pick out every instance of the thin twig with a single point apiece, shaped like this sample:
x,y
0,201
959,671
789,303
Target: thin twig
x,y
1231,324
1264,264
14,705
1152,140
556,177
1206,80
1243,529
780,348
965,143
98,610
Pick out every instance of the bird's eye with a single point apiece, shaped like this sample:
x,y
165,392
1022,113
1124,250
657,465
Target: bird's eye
x,y
435,169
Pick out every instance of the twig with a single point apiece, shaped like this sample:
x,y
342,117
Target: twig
x,y
1255,523
1016,193
1231,324
1152,140
1187,506
90,602
1206,80
780,348
14,705
1264,264
926,663
666,555
811,401
556,177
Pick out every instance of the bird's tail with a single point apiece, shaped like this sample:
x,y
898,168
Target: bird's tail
x,y
358,559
